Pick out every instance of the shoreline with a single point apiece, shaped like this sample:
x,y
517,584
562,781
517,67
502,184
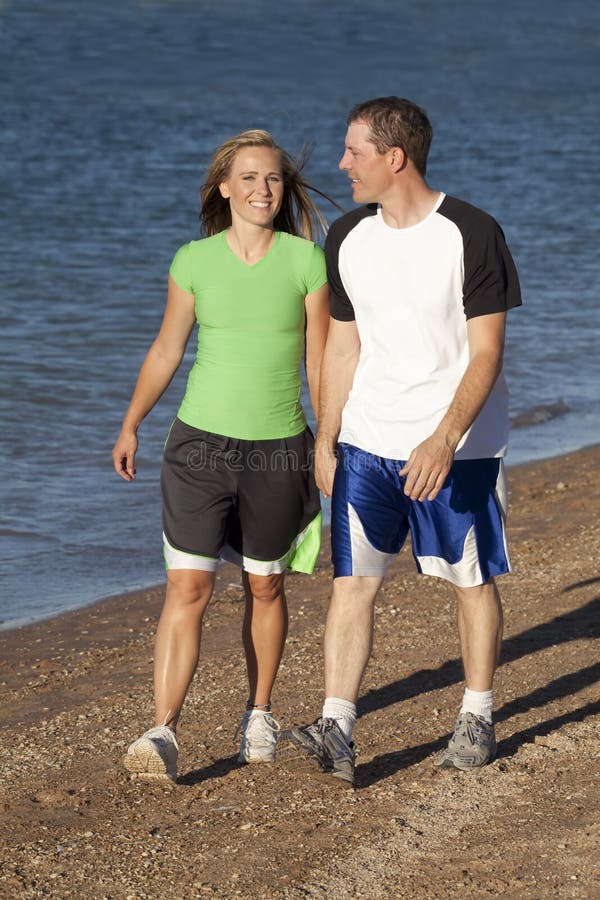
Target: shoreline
x,y
113,619
133,596
76,689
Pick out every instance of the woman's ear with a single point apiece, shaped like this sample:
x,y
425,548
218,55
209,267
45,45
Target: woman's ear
x,y
224,189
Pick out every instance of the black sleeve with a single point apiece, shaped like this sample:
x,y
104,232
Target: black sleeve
x,y
340,304
491,283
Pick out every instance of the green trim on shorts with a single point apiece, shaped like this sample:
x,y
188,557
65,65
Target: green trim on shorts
x,y
307,547
301,556
168,434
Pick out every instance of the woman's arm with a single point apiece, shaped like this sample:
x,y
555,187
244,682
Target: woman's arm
x,y
317,323
159,366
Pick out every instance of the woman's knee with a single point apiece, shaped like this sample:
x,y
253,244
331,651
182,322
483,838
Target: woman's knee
x,y
188,588
265,588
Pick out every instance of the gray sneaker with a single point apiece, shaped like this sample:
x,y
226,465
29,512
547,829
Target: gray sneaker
x,y
472,745
153,757
323,745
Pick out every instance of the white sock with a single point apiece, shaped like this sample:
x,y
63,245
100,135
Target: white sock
x,y
343,712
479,703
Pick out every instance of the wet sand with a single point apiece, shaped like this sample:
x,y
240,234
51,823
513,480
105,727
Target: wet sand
x,y
76,689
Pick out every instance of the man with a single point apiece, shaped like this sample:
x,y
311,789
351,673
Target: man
x,y
413,422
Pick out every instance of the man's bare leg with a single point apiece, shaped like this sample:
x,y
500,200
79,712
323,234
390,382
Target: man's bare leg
x,y
349,634
326,744
480,630
473,743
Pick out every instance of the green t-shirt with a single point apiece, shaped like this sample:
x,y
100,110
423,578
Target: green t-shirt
x,y
245,382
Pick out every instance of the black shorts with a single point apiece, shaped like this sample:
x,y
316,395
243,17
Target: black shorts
x,y
254,503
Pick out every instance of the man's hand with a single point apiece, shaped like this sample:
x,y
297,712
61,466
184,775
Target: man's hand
x,y
427,468
325,466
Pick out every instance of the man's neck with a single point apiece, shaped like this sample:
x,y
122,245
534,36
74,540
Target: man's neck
x,y
408,204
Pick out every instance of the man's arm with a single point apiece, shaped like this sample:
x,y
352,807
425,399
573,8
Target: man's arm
x,y
337,374
429,463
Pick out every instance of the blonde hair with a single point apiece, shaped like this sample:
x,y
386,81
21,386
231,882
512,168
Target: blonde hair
x,y
298,214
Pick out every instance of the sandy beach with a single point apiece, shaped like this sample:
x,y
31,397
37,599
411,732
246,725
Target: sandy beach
x,y
76,690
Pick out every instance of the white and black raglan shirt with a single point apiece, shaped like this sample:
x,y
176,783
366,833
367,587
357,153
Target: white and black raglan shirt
x,y
411,292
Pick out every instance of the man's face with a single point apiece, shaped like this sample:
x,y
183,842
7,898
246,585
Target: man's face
x,y
369,170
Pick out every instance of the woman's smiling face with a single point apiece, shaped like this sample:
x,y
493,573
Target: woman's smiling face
x,y
254,186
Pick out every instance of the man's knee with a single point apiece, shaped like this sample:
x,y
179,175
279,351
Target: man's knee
x,y
477,593
356,589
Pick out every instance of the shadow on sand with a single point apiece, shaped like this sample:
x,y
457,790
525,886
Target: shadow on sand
x,y
217,769
582,623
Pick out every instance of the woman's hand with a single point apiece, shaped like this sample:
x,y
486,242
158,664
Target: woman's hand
x,y
124,455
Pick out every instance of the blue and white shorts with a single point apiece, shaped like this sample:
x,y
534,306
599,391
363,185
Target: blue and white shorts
x,y
459,536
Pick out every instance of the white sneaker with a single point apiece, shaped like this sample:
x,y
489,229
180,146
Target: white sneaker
x,y
153,757
259,737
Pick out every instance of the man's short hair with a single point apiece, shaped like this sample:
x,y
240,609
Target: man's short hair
x,y
395,122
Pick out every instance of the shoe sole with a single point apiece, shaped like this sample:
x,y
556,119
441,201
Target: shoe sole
x,y
252,761
292,753
340,776
294,757
449,763
145,765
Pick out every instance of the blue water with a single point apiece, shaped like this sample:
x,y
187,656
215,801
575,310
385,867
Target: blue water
x,y
109,113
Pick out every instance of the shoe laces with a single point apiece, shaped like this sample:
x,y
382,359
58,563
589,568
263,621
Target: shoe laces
x,y
321,726
470,726
248,721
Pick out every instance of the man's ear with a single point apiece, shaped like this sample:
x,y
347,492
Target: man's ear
x,y
398,159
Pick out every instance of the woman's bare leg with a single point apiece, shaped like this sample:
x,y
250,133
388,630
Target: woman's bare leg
x,y
177,646
264,632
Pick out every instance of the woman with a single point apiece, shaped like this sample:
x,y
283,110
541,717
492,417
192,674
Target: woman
x,y
236,477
